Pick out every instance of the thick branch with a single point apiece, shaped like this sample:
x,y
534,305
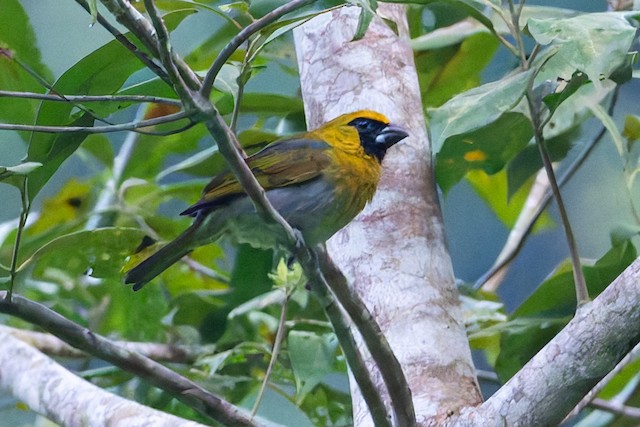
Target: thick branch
x,y
49,389
182,388
144,31
53,346
571,364
393,254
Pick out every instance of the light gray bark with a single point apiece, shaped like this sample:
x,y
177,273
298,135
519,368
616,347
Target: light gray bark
x,y
51,390
572,363
394,253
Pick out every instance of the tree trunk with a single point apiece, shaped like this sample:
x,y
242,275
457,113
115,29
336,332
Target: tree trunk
x,y
394,253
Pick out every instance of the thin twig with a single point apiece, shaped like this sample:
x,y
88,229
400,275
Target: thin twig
x,y
180,387
569,171
135,22
515,21
54,346
616,408
97,129
24,214
582,294
124,41
165,50
274,354
243,36
90,98
593,393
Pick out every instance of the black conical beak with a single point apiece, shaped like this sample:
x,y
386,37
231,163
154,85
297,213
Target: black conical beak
x,y
391,135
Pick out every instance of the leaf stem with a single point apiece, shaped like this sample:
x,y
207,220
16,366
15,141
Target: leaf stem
x,y
24,214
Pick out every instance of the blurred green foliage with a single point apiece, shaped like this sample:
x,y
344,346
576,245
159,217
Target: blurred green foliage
x,y
230,296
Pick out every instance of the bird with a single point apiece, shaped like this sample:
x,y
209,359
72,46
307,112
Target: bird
x,y
318,181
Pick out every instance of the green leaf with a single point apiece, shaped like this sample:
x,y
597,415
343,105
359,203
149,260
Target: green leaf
x,y
555,297
227,79
311,357
367,12
101,72
451,70
133,316
14,175
528,162
18,44
488,148
209,161
61,146
521,340
595,43
96,253
554,100
461,114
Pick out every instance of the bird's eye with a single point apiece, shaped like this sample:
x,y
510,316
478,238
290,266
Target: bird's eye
x,y
365,125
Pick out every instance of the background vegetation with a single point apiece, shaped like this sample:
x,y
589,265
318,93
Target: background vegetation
x,y
81,200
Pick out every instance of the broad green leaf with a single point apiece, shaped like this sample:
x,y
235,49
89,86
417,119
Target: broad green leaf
x,y
278,409
311,357
367,12
528,162
554,100
488,148
147,160
227,79
461,114
594,43
18,44
99,73
68,205
449,71
556,296
521,340
96,253
133,316
59,147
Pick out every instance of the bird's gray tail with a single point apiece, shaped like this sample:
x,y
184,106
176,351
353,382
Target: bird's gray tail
x,y
164,258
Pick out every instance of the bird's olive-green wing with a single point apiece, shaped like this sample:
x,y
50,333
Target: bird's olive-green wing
x,y
282,163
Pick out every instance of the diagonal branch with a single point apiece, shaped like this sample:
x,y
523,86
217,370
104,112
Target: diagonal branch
x,y
243,36
182,388
53,391
140,26
124,41
562,373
